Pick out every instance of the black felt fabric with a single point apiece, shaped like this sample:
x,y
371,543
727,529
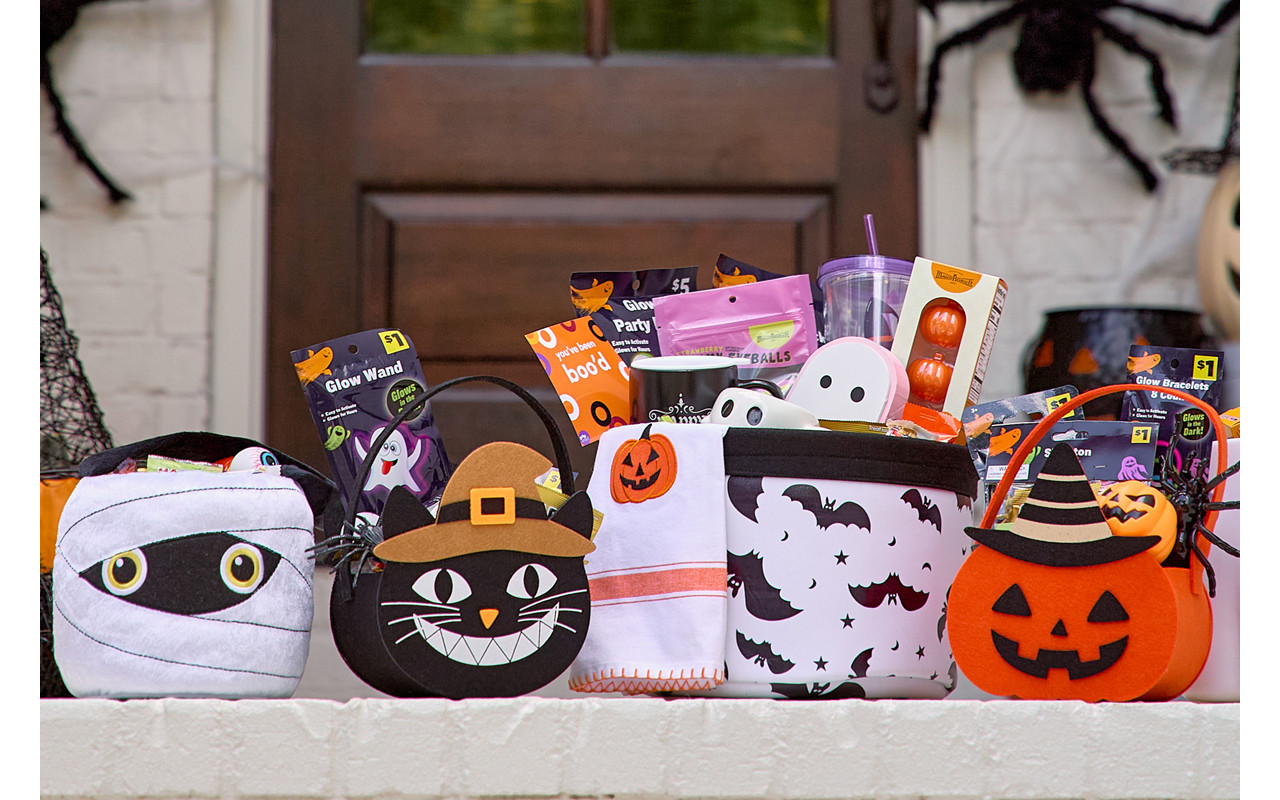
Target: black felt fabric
x,y
210,447
847,456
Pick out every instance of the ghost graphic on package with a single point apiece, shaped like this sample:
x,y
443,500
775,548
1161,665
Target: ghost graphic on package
x,y
395,463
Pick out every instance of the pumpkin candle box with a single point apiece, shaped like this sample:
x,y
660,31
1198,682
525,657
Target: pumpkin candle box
x,y
945,333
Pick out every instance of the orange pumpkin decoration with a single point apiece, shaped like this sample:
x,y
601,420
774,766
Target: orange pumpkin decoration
x,y
943,324
1056,607
929,378
643,468
54,493
1132,508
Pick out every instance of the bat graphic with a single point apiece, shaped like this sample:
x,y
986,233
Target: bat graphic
x,y
942,622
927,511
964,502
861,664
813,691
764,601
892,588
744,494
825,513
1143,363
762,653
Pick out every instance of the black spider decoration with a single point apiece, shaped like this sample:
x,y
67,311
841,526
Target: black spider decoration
x,y
353,543
1190,495
56,19
1057,50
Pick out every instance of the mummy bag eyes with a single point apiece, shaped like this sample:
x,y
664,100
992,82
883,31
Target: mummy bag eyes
x,y
185,584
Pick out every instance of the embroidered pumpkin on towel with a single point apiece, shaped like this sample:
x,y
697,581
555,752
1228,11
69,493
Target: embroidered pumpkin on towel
x,y
642,468
1132,508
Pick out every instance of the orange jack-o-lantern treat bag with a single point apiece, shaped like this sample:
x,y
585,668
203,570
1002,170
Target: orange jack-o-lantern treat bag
x,y
1058,607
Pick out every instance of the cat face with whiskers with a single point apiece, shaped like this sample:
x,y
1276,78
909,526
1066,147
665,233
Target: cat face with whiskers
x,y
496,623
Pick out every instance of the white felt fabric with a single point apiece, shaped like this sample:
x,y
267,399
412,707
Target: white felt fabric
x,y
106,646
658,573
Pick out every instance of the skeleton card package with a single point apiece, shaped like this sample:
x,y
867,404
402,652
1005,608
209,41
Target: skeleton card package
x,y
1195,372
354,386
768,327
621,303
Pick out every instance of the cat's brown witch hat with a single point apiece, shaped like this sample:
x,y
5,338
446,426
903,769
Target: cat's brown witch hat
x,y
490,503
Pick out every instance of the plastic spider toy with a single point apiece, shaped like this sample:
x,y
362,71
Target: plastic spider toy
x,y
1057,50
353,543
1190,495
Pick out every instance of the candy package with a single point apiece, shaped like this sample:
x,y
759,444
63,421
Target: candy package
x,y
354,386
621,303
732,272
767,327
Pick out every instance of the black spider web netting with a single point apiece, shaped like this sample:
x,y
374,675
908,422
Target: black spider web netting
x,y
71,424
71,428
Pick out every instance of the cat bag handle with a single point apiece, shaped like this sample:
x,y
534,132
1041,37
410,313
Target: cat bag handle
x,y
1037,433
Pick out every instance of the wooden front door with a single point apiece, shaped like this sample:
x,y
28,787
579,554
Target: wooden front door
x,y
452,196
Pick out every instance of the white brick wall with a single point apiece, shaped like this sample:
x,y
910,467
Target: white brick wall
x,y
1057,212
136,77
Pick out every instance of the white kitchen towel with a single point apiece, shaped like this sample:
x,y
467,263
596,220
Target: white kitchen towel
x,y
658,575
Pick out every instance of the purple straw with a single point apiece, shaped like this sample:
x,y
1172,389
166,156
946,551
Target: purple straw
x,y
870,222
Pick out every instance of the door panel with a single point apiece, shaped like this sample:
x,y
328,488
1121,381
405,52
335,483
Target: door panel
x,y
467,271
570,121
452,196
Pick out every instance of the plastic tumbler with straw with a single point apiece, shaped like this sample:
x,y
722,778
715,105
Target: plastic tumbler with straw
x,y
864,293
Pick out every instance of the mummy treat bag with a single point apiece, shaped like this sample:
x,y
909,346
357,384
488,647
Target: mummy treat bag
x,y
186,583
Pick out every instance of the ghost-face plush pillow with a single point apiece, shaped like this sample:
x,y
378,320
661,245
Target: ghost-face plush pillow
x,y
851,379
183,584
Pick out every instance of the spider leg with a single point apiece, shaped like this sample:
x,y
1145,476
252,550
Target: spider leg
x,y
1222,476
1214,539
71,138
971,35
1225,505
1113,137
1226,12
1208,570
1130,44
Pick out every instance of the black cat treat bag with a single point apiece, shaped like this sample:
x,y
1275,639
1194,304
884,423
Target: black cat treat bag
x,y
354,386
487,597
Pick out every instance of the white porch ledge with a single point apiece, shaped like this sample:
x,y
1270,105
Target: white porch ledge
x,y
637,748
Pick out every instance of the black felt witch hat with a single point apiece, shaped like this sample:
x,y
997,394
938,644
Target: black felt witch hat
x,y
1061,523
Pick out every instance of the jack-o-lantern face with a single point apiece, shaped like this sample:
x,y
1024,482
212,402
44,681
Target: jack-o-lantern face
x,y
1133,508
643,468
1099,632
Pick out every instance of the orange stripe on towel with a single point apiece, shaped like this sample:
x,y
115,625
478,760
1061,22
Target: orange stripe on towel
x,y
667,581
